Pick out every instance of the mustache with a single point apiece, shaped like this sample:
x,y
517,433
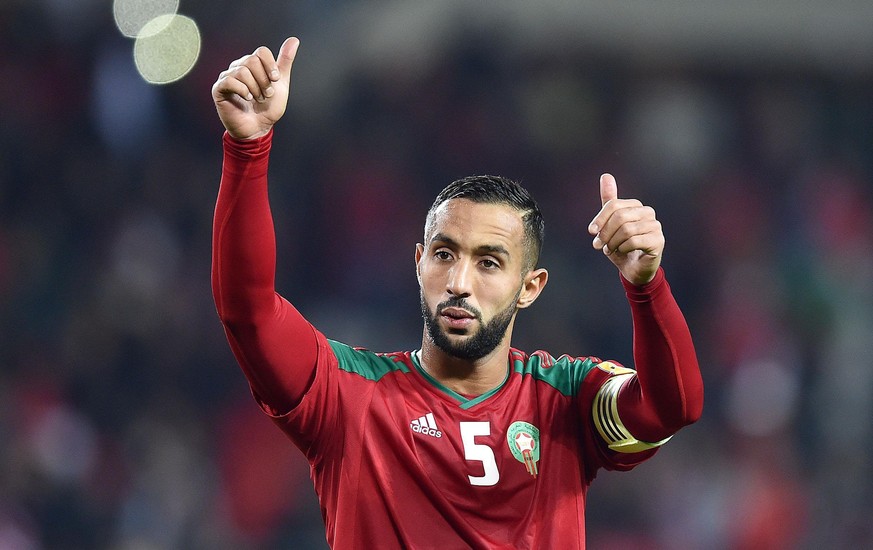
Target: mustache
x,y
460,303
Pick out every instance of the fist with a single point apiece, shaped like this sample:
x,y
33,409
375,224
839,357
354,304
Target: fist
x,y
628,233
252,94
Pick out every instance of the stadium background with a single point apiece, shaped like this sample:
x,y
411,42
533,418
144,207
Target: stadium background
x,y
124,421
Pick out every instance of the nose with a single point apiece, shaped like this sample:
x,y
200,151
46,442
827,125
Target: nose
x,y
460,279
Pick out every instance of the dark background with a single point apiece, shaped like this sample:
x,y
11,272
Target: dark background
x,y
124,420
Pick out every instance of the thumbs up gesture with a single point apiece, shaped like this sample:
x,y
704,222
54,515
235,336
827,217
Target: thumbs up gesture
x,y
252,94
628,233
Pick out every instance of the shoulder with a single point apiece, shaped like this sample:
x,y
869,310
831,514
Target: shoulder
x,y
370,365
564,373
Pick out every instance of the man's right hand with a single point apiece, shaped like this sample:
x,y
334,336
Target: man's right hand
x,y
251,95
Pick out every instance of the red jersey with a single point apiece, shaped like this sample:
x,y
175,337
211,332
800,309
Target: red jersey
x,y
400,461
403,462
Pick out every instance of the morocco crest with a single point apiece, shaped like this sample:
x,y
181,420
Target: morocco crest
x,y
523,439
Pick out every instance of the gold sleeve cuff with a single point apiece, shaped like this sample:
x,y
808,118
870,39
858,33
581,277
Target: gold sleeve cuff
x,y
608,422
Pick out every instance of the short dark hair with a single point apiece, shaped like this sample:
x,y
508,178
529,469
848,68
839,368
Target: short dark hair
x,y
500,190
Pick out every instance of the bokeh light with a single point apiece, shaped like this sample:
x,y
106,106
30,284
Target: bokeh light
x,y
168,53
133,16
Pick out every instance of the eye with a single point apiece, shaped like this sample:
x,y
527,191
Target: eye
x,y
488,263
442,255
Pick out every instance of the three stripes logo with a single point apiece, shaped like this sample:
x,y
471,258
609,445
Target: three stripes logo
x,y
426,425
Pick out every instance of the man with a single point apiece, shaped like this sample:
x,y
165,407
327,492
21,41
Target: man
x,y
467,442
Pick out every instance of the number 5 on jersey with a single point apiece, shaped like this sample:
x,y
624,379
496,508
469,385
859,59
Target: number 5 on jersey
x,y
479,452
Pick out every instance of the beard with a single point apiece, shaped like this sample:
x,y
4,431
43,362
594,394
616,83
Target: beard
x,y
481,343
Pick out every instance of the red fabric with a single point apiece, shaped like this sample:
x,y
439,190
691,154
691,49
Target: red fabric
x,y
667,392
260,325
382,484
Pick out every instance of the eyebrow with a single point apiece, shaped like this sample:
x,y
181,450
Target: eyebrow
x,y
481,249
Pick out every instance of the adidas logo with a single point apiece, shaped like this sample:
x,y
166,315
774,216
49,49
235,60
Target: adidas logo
x,y
426,425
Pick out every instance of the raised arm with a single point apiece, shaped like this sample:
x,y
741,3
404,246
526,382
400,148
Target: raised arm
x,y
274,345
666,392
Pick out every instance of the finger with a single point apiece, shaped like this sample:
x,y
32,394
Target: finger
x,y
643,235
229,86
650,244
244,75
614,216
287,53
608,189
268,62
260,63
608,192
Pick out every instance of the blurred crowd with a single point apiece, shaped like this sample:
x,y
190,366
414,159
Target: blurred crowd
x,y
124,420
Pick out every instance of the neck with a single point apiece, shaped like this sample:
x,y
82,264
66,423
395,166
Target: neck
x,y
463,376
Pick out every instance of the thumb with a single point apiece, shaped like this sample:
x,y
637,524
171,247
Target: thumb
x,y
608,189
287,53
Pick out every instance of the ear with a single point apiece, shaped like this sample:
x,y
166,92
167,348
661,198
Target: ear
x,y
419,251
534,283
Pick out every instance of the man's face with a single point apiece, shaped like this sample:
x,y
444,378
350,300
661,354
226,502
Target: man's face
x,y
480,343
470,271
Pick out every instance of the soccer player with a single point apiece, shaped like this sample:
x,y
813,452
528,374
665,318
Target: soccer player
x,y
466,442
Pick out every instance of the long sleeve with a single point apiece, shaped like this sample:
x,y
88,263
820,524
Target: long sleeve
x,y
272,342
667,392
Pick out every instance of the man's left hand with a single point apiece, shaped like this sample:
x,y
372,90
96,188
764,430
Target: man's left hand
x,y
628,233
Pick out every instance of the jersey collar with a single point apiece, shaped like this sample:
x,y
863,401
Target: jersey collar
x,y
464,402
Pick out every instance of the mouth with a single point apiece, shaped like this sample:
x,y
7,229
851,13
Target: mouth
x,y
457,318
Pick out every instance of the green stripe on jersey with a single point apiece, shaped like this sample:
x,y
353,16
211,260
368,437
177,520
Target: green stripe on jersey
x,y
565,374
464,402
365,363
